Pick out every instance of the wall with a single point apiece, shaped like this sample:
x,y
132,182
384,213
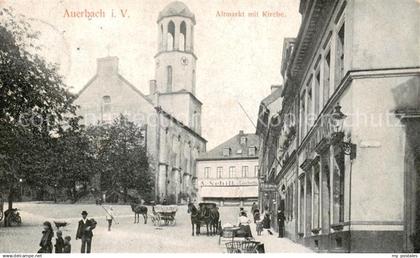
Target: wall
x,y
385,33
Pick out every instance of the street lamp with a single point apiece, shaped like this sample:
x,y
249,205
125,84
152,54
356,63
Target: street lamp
x,y
21,188
337,121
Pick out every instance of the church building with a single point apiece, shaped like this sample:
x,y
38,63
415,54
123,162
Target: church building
x,y
170,115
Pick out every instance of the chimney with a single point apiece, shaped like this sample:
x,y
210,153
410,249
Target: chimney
x,y
107,66
275,87
241,132
152,87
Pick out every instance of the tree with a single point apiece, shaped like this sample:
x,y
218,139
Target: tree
x,y
34,104
123,157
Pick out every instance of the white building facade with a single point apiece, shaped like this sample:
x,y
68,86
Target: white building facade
x,y
228,174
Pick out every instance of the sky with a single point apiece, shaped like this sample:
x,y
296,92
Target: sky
x,y
239,58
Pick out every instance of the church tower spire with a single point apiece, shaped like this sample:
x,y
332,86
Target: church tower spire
x,y
175,60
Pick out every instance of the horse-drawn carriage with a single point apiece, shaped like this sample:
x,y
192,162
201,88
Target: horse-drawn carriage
x,y
165,213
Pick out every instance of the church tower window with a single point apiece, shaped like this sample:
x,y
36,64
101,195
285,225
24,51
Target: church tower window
x,y
169,78
162,45
171,36
183,37
193,82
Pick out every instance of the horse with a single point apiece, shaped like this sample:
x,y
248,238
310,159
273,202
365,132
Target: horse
x,y
204,216
214,220
195,218
139,209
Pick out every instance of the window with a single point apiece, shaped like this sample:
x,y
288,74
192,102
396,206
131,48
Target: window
x,y
338,191
193,82
170,44
206,172
219,172
232,172
243,140
183,36
316,201
316,97
309,113
251,151
169,78
244,171
256,169
326,190
339,70
301,204
226,152
302,114
327,76
106,104
308,203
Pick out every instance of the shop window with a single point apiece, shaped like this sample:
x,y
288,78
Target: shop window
x,y
206,172
316,201
338,192
308,203
326,190
301,204
339,69
219,172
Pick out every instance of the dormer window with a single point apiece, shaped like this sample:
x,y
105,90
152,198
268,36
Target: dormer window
x,y
226,152
243,140
252,151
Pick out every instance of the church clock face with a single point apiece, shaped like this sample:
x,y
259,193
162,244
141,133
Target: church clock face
x,y
184,60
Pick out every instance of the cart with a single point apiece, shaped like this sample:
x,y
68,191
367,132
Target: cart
x,y
165,213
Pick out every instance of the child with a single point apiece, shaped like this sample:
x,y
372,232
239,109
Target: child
x,y
67,245
59,242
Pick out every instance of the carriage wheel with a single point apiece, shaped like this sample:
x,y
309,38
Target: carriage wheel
x,y
173,222
166,222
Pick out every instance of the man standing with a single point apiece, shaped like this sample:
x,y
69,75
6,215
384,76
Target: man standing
x,y
280,222
110,216
84,232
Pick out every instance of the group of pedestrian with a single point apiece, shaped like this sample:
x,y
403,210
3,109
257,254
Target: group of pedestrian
x,y
263,221
61,245
84,233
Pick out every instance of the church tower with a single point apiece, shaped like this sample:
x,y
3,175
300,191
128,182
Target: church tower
x,y
175,72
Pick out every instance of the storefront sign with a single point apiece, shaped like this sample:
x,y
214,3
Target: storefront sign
x,y
229,182
268,187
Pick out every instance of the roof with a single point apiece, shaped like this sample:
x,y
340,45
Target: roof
x,y
275,95
237,150
176,8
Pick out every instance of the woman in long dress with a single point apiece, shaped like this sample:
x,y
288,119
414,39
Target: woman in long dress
x,y
46,240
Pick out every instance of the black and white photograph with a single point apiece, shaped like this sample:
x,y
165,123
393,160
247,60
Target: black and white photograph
x,y
214,127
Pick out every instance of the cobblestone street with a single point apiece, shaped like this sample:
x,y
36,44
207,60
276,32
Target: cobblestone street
x,y
125,237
